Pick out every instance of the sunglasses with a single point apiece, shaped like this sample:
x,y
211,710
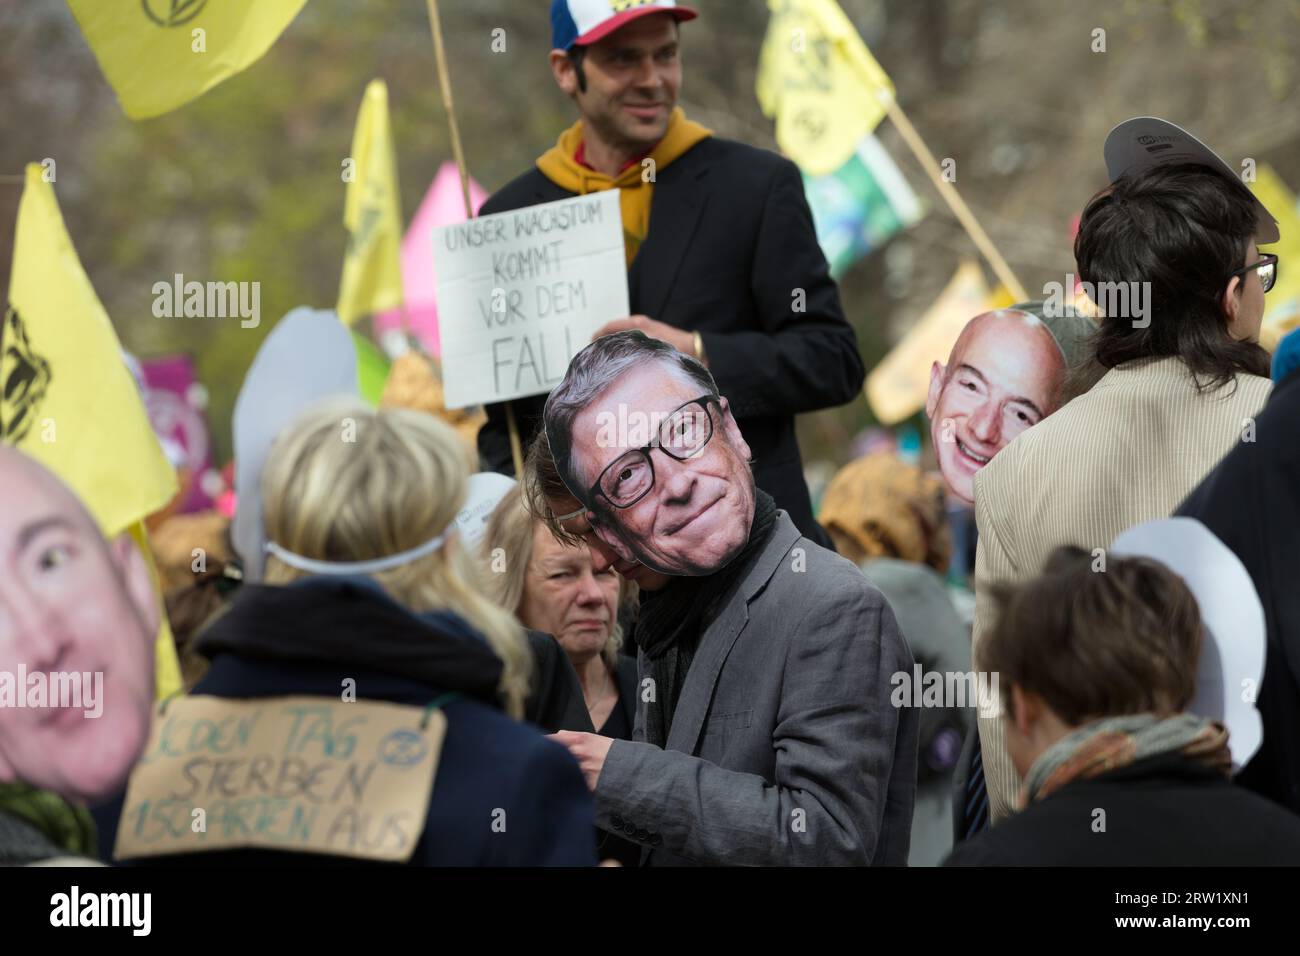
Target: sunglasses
x,y
1267,266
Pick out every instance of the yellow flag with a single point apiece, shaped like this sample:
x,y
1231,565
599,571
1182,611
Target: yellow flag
x,y
372,275
820,82
167,667
69,400
1282,304
896,387
160,54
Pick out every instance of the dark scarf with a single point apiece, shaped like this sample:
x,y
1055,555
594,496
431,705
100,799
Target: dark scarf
x,y
673,619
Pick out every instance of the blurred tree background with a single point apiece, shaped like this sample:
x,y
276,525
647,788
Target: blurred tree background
x,y
244,183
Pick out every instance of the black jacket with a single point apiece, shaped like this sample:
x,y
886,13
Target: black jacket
x,y
1165,811
731,254
305,638
1252,502
556,700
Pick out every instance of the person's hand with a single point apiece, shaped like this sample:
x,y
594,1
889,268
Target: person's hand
x,y
589,750
681,340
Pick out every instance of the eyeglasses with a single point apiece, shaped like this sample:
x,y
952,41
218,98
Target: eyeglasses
x,y
1267,266
682,435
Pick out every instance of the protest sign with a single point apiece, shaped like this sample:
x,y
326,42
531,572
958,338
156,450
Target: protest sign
x,y
299,774
521,292
1232,655
486,489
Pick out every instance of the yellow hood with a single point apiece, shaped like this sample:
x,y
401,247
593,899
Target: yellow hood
x,y
635,194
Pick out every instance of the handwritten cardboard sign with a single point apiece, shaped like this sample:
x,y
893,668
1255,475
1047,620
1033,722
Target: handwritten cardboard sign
x,y
521,292
297,774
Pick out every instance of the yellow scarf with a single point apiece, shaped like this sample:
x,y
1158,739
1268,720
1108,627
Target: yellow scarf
x,y
559,166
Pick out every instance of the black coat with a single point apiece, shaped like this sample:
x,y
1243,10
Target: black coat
x,y
555,702
1252,502
305,638
730,248
1165,811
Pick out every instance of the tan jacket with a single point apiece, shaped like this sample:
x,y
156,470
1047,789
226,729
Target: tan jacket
x,y
1125,452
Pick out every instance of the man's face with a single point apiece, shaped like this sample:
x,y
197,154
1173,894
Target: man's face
x,y
697,514
1000,379
633,76
69,602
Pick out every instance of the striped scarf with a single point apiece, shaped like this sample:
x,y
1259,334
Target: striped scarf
x,y
1115,742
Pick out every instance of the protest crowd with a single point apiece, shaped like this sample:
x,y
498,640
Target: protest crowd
x,y
605,619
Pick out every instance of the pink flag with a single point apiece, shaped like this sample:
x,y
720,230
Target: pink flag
x,y
444,203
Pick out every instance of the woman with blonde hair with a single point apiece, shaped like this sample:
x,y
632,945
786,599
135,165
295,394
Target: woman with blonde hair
x,y
553,587
367,587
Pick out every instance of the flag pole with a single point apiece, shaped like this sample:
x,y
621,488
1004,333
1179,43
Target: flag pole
x,y
953,198
444,81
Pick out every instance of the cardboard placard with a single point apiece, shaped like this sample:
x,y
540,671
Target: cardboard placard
x,y
521,292
296,774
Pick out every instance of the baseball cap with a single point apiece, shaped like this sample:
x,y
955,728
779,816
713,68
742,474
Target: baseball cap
x,y
580,22
1140,143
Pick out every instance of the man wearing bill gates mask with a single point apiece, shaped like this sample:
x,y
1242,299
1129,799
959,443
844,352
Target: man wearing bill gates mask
x,y
764,731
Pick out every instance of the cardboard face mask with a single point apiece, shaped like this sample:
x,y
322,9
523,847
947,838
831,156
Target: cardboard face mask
x,y
1232,656
664,468
309,356
1002,378
486,489
77,622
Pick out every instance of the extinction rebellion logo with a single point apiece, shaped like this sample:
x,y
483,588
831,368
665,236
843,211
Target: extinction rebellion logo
x,y
172,13
24,380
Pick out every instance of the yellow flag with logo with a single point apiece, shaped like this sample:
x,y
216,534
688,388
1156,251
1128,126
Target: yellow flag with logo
x,y
68,399
372,272
160,54
820,83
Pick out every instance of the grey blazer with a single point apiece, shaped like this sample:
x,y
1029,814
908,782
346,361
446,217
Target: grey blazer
x,y
784,748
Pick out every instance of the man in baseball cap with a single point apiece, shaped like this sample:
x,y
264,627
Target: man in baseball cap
x,y
717,235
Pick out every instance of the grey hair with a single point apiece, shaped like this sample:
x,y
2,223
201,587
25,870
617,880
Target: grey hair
x,y
591,372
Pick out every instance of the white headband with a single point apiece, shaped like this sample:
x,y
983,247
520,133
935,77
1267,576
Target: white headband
x,y
355,567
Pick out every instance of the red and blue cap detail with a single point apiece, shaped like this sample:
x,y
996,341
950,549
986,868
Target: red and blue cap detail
x,y
580,22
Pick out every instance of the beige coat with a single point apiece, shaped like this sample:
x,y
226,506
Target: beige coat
x,y
1125,452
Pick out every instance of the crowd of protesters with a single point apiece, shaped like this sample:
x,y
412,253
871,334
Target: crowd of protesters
x,y
651,654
